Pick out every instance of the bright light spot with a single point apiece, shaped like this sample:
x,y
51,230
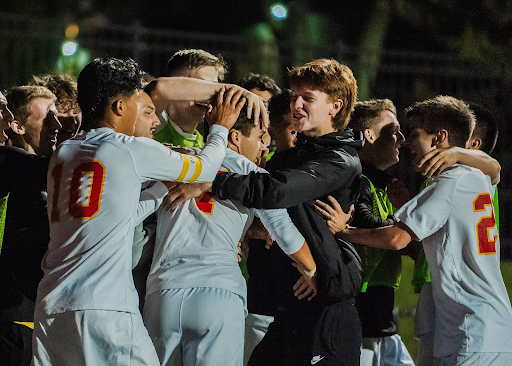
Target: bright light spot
x,y
69,48
279,11
71,31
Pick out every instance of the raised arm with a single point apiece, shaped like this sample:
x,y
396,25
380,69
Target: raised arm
x,y
437,160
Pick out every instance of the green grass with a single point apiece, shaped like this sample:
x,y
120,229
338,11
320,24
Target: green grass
x,y
405,301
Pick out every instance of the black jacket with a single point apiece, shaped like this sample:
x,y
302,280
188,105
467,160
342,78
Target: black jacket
x,y
315,168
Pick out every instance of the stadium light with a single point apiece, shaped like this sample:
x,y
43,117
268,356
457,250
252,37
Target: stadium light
x,y
279,11
69,48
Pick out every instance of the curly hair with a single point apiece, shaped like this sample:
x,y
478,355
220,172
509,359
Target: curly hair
x,y
260,82
100,81
63,86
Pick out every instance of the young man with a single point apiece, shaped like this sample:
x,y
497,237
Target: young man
x,y
455,220
180,118
87,308
376,120
195,307
325,330
5,118
26,232
63,86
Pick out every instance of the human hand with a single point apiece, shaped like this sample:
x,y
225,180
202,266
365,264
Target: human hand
x,y
336,218
263,157
179,193
255,107
258,231
438,160
398,193
226,107
306,286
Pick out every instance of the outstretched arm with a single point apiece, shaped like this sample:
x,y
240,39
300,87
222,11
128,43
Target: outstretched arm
x,y
437,160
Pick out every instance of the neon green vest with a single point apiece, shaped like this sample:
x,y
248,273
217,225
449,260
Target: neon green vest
x,y
3,212
169,135
380,267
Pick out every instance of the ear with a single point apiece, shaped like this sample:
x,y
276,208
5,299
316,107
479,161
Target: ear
x,y
440,138
474,143
369,135
17,127
336,107
235,140
117,107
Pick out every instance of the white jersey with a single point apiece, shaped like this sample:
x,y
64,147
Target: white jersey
x,y
454,218
94,185
196,245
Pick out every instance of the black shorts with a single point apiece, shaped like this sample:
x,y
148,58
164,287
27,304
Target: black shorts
x,y
329,336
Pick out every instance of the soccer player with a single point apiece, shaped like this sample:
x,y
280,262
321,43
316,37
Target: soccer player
x,y
196,301
87,309
5,118
454,218
325,330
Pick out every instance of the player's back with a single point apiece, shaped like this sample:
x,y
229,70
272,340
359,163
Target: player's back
x,y
473,307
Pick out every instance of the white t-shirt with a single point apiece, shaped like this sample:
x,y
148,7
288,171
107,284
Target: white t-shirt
x,y
196,245
454,218
94,186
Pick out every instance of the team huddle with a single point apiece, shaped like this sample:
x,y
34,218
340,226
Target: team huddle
x,y
133,234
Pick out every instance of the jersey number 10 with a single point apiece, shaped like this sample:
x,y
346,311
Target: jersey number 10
x,y
76,209
485,244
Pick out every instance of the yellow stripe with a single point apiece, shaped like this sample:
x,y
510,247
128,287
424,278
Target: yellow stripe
x,y
197,172
184,171
27,324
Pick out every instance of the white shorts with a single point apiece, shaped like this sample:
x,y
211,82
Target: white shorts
x,y
91,337
196,326
388,351
425,311
256,327
476,359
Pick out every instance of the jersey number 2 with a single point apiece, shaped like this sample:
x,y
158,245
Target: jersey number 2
x,y
77,209
485,244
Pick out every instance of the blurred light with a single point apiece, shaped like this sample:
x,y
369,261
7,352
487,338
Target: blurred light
x,y
279,11
69,48
71,31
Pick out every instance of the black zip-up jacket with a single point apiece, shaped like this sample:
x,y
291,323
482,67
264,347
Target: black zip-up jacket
x,y
315,168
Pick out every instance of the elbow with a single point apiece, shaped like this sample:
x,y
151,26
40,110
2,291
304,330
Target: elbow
x,y
397,242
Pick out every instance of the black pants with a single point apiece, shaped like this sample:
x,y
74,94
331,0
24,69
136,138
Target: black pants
x,y
329,336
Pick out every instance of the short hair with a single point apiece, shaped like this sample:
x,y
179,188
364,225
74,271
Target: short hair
x,y
486,127
366,114
63,86
19,98
244,124
100,81
279,105
193,59
444,112
332,78
260,82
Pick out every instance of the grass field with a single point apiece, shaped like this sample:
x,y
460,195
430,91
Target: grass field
x,y
405,302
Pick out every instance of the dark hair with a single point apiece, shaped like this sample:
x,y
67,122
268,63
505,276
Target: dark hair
x,y
279,105
366,114
100,81
193,59
63,86
244,124
486,127
444,112
332,78
260,82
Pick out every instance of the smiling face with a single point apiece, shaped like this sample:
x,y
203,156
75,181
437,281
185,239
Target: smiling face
x,y
251,146
419,141
383,140
6,118
70,121
147,120
313,111
41,127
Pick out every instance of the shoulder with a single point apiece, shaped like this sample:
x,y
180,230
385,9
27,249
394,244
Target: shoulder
x,y
239,164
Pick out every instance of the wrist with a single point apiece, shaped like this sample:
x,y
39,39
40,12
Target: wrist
x,y
311,273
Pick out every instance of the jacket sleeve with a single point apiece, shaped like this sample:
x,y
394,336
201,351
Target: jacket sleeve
x,y
290,187
363,213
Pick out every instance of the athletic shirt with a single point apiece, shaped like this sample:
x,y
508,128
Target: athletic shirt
x,y
380,267
454,217
94,185
172,134
3,211
196,245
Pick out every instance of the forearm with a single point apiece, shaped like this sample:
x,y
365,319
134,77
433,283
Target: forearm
x,y
480,160
304,258
388,237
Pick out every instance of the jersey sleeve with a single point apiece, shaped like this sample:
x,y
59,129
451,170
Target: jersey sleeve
x,y
289,187
154,161
150,199
428,211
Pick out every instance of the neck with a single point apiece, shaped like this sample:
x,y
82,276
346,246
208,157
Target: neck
x,y
320,130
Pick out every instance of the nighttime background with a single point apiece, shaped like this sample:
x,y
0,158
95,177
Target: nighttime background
x,y
405,50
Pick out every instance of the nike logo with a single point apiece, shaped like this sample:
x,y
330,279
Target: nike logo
x,y
316,360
